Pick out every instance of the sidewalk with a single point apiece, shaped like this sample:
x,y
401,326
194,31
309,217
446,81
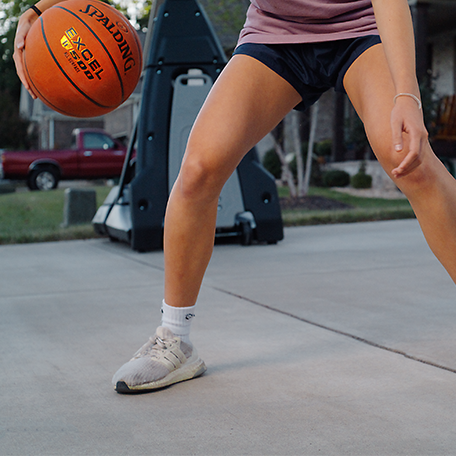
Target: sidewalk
x,y
339,340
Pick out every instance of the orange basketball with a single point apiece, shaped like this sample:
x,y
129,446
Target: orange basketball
x,y
82,58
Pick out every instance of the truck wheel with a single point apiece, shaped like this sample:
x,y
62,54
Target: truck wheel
x,y
43,179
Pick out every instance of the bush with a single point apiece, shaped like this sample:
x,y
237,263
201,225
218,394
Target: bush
x,y
323,148
336,178
361,179
272,163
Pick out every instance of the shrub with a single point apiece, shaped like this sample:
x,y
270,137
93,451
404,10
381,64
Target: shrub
x,y
272,163
323,148
361,179
336,178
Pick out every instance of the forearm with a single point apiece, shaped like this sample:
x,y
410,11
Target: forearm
x,y
395,26
31,16
43,5
25,22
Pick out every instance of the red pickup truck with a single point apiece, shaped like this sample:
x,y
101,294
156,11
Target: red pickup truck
x,y
93,155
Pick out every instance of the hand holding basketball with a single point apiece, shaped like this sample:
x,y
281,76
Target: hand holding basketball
x,y
23,27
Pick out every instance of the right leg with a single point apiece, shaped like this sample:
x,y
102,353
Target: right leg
x,y
247,101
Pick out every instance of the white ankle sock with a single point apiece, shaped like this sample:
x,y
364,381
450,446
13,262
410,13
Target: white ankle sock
x,y
178,320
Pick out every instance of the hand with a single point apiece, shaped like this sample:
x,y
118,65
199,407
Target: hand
x,y
25,22
407,119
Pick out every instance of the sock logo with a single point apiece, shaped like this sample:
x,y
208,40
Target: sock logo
x,y
189,316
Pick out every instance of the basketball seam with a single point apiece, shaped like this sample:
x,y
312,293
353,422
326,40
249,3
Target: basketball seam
x,y
103,45
65,74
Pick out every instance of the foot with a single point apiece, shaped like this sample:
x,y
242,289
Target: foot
x,y
160,362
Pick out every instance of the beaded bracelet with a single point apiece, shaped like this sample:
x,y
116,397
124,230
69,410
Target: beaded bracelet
x,y
36,9
409,95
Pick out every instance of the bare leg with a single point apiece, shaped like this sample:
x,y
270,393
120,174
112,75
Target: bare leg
x,y
430,189
247,101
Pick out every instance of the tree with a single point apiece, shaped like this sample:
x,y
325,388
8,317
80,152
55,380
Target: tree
x,y
227,17
278,137
313,128
13,129
8,77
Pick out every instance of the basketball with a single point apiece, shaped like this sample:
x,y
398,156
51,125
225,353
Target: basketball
x,y
82,58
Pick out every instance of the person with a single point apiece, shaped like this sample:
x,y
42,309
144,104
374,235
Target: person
x,y
289,53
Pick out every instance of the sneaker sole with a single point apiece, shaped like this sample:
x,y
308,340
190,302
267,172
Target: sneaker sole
x,y
186,372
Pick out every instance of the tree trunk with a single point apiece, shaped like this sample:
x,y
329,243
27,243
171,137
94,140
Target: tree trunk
x,y
313,128
296,141
286,171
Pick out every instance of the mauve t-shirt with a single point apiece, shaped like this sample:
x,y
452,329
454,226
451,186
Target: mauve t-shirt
x,y
307,21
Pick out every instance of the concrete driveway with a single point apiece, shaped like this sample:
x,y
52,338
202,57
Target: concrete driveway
x,y
339,340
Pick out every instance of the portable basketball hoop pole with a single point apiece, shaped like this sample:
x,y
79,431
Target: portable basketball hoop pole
x,y
184,59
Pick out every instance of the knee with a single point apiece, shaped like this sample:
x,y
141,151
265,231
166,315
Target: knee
x,y
415,182
198,180
421,177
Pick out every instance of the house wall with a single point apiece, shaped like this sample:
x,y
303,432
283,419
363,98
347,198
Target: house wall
x,y
325,126
443,64
55,131
64,128
120,122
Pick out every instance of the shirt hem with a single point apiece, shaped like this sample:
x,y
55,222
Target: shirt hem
x,y
260,38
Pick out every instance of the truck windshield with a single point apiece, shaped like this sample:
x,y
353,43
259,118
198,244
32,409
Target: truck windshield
x,y
98,141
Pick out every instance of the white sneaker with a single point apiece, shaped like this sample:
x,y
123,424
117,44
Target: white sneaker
x,y
160,362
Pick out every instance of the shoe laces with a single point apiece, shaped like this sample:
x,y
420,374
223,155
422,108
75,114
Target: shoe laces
x,y
152,348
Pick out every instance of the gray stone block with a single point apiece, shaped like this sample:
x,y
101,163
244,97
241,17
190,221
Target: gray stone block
x,y
80,206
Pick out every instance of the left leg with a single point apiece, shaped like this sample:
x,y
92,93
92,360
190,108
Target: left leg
x,y
430,189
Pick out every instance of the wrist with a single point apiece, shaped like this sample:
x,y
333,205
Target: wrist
x,y
36,10
408,95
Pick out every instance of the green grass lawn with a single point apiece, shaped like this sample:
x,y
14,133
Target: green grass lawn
x,y
364,209
27,216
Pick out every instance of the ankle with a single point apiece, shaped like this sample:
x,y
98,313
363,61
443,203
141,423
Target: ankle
x,y
178,320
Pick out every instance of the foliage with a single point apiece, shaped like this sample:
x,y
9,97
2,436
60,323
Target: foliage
x,y
361,179
430,104
355,135
8,79
336,178
13,129
323,148
302,218
227,17
364,209
272,163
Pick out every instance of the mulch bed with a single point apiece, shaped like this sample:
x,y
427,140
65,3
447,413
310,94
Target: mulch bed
x,y
312,203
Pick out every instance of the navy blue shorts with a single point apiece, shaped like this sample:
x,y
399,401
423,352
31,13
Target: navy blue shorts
x,y
311,68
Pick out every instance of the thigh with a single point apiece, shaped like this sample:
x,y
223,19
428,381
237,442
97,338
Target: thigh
x,y
246,102
370,87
